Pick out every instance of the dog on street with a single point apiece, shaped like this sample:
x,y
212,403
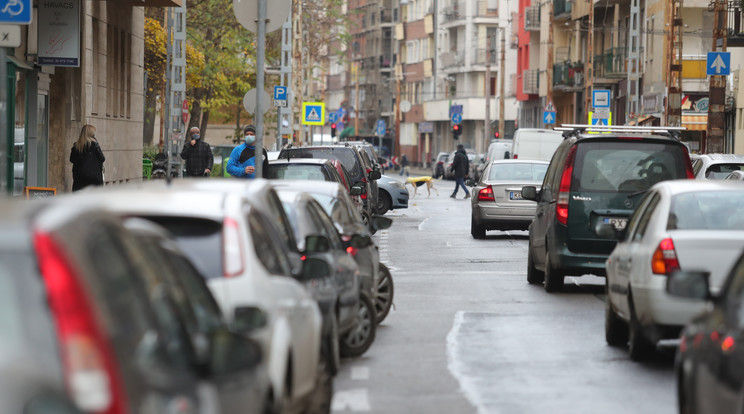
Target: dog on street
x,y
423,180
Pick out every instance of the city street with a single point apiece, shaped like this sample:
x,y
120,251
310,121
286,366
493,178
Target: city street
x,y
468,334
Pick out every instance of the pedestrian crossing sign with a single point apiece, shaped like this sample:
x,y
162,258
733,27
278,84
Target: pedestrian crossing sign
x,y
313,113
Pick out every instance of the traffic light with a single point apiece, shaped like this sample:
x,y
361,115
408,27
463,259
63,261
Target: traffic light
x,y
333,130
496,134
456,131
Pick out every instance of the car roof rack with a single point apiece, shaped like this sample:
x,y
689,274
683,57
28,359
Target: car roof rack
x,y
570,130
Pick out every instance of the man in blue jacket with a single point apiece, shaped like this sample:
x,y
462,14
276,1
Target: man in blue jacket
x,y
242,162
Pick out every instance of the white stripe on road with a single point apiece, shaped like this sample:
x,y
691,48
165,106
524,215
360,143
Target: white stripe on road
x,y
355,400
421,226
467,384
360,373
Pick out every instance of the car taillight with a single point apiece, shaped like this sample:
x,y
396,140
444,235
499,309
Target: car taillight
x,y
688,167
664,260
515,156
232,251
440,163
727,345
683,343
363,196
486,194
561,205
91,372
352,250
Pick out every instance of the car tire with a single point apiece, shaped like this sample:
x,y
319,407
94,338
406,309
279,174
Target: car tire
x,y
385,292
639,347
384,203
357,341
331,348
616,329
553,277
534,276
478,231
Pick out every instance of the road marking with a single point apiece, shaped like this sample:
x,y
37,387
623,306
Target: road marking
x,y
421,226
360,373
467,384
355,400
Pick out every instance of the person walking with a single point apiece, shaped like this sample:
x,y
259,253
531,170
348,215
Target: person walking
x,y
198,155
87,160
242,162
404,165
461,166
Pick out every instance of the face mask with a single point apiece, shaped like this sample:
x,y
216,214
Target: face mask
x,y
250,139
195,136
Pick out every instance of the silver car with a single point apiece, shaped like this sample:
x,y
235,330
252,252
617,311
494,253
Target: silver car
x,y
393,195
716,166
496,200
679,225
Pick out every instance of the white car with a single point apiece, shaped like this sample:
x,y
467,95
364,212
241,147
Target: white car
x,y
691,225
249,269
716,166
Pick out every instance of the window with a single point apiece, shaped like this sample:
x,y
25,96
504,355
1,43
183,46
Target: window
x,y
268,251
645,217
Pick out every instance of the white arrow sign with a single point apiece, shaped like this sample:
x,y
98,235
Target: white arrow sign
x,y
718,64
549,118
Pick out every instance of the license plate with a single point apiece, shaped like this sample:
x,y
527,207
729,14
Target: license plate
x,y
618,223
515,195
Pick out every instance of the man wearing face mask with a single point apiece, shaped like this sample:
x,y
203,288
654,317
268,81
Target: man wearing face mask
x,y
198,155
242,162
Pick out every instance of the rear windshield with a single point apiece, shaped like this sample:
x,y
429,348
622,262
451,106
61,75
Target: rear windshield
x,y
626,166
347,156
518,172
298,172
707,210
721,171
199,239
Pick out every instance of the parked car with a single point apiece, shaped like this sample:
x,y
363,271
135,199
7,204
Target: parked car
x,y
303,169
244,253
450,172
708,361
681,224
497,202
100,330
393,195
499,150
338,292
368,149
439,165
535,143
591,179
478,165
716,166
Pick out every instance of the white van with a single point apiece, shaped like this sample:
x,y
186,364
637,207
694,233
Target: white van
x,y
535,143
499,150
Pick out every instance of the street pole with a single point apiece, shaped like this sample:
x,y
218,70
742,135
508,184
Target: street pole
x,y
549,72
674,65
589,65
487,126
717,98
260,58
356,100
502,91
396,140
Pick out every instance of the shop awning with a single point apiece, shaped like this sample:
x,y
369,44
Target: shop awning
x,y
695,122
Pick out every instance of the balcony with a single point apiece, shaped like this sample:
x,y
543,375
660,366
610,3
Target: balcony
x,y
454,12
562,9
611,64
453,59
568,76
532,18
480,57
531,82
483,8
512,85
735,24
386,61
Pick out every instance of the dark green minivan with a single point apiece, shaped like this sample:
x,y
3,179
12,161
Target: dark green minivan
x,y
594,179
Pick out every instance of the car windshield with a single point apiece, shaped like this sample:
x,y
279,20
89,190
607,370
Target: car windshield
x,y
707,210
298,172
340,212
347,157
517,172
721,171
199,239
620,167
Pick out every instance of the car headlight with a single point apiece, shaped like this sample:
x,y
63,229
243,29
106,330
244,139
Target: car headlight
x,y
398,184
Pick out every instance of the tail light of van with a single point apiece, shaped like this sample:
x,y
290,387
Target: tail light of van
x,y
232,249
515,156
91,372
486,194
561,205
664,261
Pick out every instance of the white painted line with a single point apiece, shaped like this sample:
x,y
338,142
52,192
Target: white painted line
x,y
421,226
467,384
355,400
360,373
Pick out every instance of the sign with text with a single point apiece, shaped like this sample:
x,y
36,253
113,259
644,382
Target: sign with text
x,y
33,193
59,33
601,98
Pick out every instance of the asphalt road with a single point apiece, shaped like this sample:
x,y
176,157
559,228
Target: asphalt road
x,y
469,335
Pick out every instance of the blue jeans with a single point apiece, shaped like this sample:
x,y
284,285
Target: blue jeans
x,y
460,182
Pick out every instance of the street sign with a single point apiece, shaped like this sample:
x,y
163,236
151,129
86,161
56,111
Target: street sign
x,y
333,117
185,111
280,96
313,113
380,127
249,101
602,113
601,98
718,63
595,120
548,117
455,109
456,118
549,107
10,35
246,11
15,11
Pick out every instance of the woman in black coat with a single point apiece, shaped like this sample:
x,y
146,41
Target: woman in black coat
x,y
87,160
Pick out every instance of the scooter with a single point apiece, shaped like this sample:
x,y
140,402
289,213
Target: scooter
x,y
159,167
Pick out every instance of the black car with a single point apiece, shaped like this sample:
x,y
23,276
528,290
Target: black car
x,y
594,179
710,360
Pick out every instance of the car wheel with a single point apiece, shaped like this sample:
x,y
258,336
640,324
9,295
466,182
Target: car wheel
x,y
384,203
639,347
553,277
360,338
534,276
368,223
478,231
384,293
616,330
331,351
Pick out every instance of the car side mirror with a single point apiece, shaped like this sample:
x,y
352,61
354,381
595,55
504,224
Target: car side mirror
x,y
247,319
381,223
359,241
529,192
374,175
313,268
232,353
689,284
356,190
470,182
317,244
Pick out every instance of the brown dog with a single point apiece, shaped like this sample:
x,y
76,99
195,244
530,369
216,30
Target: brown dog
x,y
419,181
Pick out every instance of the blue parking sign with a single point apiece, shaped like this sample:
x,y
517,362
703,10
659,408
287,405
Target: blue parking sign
x,y
380,127
15,11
